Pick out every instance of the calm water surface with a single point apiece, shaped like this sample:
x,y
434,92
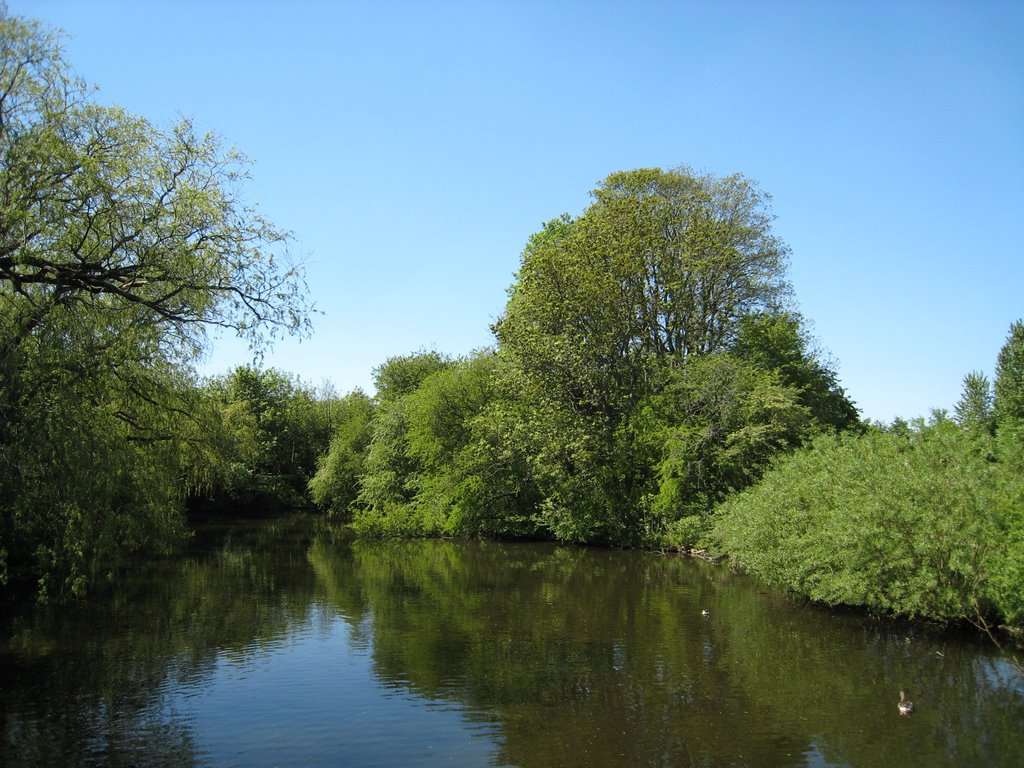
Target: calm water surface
x,y
285,643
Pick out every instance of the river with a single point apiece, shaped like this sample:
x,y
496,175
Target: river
x,y
285,642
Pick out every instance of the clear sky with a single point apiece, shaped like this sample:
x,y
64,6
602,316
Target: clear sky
x,y
413,147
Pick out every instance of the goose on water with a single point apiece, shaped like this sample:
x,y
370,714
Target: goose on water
x,y
905,706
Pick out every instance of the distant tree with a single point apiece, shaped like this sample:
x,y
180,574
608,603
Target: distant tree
x,y
273,430
392,472
402,374
975,410
425,471
1009,384
336,482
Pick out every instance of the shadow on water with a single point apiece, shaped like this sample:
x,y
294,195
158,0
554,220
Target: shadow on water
x,y
283,642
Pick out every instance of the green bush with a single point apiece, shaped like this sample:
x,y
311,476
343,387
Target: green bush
x,y
911,523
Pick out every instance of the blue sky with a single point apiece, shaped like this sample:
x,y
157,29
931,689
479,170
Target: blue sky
x,y
413,147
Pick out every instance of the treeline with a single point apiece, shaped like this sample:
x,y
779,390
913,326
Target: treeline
x,y
750,452
647,365
650,387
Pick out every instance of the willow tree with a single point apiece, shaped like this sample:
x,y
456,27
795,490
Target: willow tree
x,y
608,309
121,244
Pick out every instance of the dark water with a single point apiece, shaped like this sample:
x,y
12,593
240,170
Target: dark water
x,y
285,643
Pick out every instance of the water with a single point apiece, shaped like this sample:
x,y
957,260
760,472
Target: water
x,y
286,643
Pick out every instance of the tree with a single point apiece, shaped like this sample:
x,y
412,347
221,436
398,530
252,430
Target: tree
x,y
336,482
974,410
693,255
391,472
431,467
1009,384
273,431
777,342
659,271
121,244
662,266
724,419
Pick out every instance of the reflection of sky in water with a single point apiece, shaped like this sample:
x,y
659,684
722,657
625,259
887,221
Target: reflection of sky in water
x,y
311,698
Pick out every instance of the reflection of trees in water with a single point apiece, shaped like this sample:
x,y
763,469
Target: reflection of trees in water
x,y
593,657
570,656
581,656
98,735
112,657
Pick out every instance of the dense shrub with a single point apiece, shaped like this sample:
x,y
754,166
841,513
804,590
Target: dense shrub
x,y
912,522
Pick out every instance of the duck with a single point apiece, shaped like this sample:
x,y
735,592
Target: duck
x,y
905,706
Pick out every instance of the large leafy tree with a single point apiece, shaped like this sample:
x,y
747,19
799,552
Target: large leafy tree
x,y
662,266
121,244
658,272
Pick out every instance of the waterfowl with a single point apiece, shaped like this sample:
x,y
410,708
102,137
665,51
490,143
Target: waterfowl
x,y
905,706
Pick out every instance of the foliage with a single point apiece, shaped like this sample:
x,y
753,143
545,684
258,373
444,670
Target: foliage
x,y
422,465
778,342
80,494
441,414
389,482
661,267
1007,578
924,524
273,431
402,374
918,518
724,420
336,482
975,409
606,338
120,245
1009,384
895,523
645,368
